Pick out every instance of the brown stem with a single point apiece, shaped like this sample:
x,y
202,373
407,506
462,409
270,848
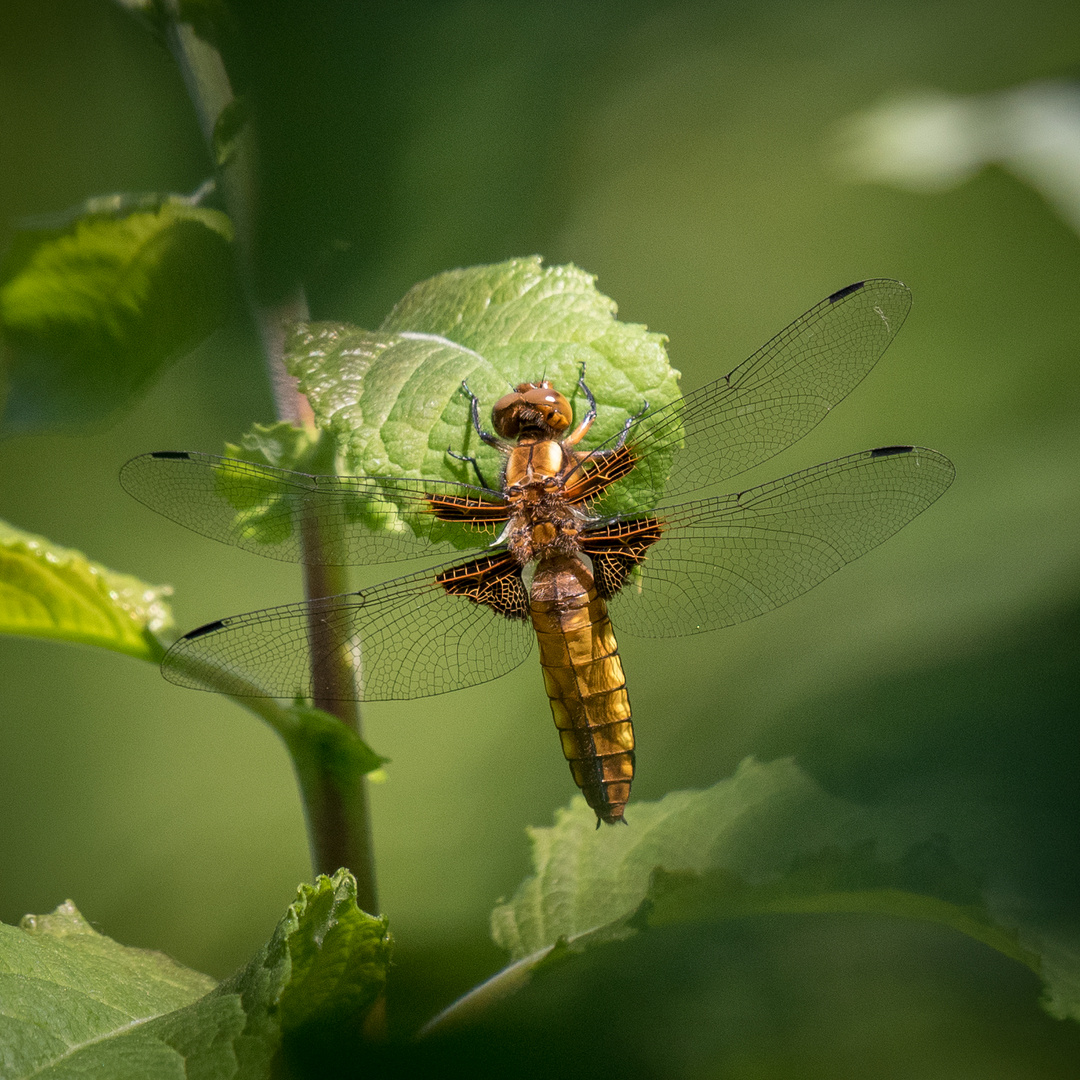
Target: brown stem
x,y
339,821
336,808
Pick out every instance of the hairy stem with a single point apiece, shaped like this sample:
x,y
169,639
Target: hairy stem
x,y
337,811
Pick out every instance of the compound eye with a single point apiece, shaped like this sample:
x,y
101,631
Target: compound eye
x,y
554,408
504,415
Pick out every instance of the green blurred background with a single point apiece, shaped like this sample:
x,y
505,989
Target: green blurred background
x,y
687,154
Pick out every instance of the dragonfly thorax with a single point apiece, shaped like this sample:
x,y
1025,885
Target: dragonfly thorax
x,y
542,521
534,463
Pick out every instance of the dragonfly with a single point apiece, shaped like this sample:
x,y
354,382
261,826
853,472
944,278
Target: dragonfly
x,y
685,562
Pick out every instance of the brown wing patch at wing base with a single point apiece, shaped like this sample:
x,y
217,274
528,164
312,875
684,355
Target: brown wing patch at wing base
x,y
617,548
598,472
462,508
494,580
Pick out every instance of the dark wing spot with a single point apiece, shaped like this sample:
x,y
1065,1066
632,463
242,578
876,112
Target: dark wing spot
x,y
846,291
209,628
171,455
494,580
888,451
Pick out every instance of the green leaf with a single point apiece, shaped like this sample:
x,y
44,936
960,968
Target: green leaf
x,y
284,446
53,592
91,310
767,840
393,397
338,957
258,503
232,122
324,748
74,1003
834,880
755,824
72,999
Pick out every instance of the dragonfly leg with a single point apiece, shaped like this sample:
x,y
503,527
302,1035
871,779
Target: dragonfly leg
x,y
629,423
590,413
473,462
485,436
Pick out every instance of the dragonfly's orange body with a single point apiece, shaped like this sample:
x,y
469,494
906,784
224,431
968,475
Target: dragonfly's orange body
x,y
585,682
583,674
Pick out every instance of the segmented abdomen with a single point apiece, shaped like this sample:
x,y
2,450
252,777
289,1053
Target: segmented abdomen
x,y
585,683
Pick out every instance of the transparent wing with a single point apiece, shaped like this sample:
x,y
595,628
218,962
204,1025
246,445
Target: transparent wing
x,y
265,510
770,400
406,638
720,561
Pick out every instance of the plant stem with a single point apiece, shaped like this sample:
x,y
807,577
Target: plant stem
x,y
339,826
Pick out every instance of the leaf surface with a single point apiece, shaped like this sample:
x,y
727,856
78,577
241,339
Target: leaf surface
x,y
74,1003
767,840
393,399
54,592
92,308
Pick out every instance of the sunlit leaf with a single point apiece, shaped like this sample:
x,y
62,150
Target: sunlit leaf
x,y
91,310
54,592
393,396
284,446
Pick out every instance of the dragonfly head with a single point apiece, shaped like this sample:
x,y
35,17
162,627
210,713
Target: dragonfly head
x,y
532,409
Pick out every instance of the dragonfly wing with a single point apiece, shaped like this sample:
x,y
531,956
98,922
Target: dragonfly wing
x,y
266,510
769,401
428,633
720,561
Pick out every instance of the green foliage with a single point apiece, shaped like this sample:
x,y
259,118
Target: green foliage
x,y
766,841
75,1003
322,746
54,592
91,310
393,397
285,446
282,445
338,959
229,128
704,191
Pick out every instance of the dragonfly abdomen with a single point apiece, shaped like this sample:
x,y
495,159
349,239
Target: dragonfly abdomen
x,y
585,683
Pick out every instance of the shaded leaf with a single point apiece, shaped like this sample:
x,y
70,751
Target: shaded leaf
x,y
75,1003
767,840
229,127
64,988
338,957
90,311
53,592
756,825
